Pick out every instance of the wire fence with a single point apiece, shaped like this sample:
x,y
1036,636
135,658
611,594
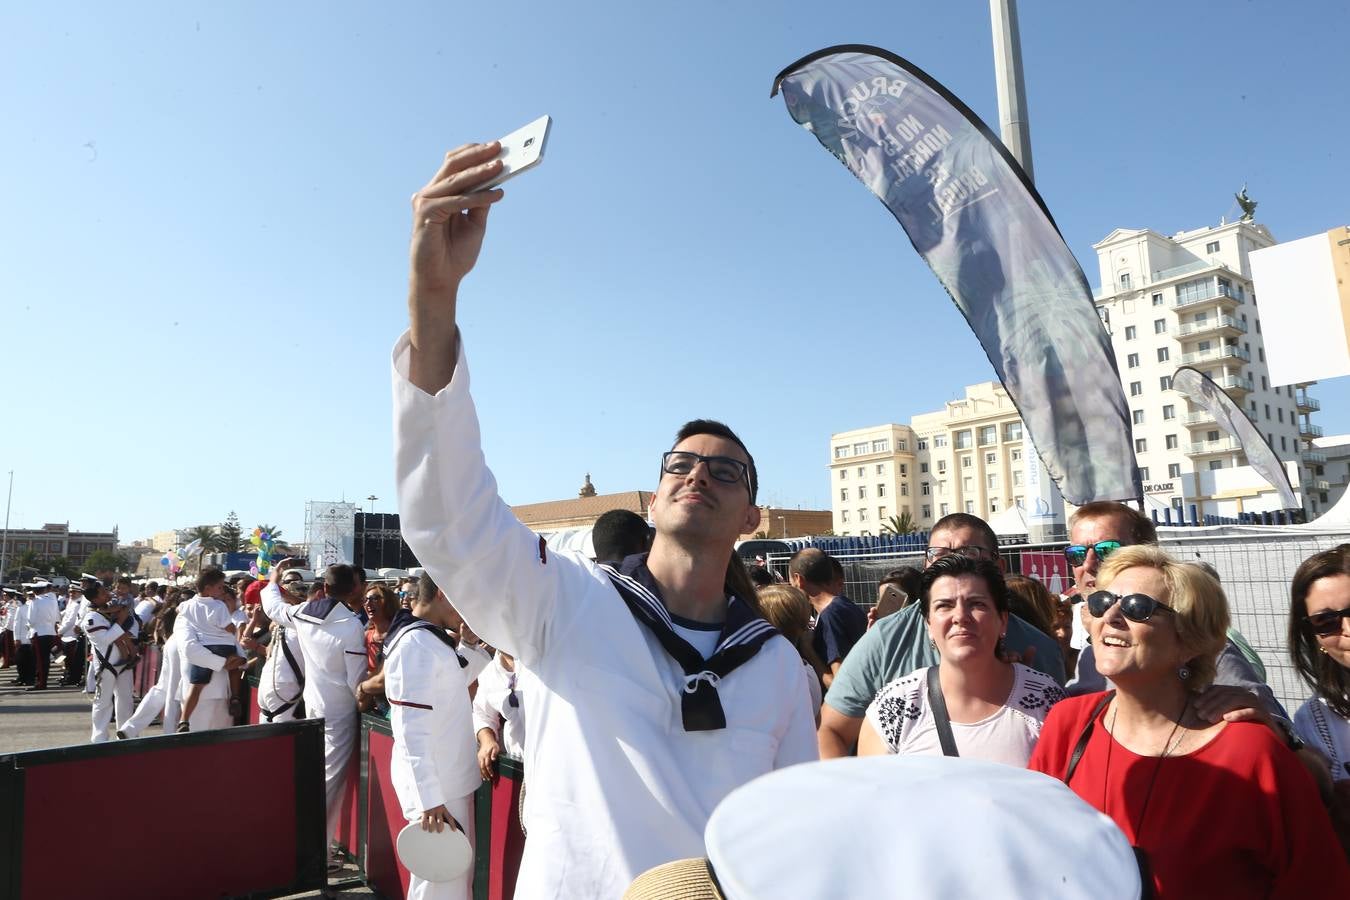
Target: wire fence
x,y
1255,567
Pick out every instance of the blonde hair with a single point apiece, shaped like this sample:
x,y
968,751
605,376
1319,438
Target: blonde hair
x,y
788,609
1197,601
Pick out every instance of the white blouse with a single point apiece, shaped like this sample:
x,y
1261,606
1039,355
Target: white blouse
x,y
492,706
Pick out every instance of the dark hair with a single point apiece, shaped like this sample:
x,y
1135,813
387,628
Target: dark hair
x,y
359,574
618,534
426,588
209,577
717,429
957,521
339,581
124,579
1140,527
1032,601
954,564
761,576
908,579
813,565
1323,674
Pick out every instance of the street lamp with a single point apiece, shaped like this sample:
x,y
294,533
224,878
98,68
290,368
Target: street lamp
x,y
372,498
783,519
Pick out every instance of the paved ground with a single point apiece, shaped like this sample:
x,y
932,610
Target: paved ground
x,y
59,716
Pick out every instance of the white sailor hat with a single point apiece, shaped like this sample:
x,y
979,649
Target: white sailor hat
x,y
913,826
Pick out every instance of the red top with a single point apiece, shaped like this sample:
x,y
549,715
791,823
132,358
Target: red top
x,y
1240,817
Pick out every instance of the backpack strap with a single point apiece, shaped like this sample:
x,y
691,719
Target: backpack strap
x,y
938,705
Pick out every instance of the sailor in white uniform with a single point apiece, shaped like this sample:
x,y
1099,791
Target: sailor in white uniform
x,y
44,614
281,684
333,646
499,713
656,690
433,767
113,647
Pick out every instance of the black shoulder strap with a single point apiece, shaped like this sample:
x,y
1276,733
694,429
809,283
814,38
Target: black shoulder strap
x,y
938,704
1081,746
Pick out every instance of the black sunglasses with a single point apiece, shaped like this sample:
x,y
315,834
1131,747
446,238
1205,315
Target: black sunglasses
x,y
1327,622
1135,607
722,468
1076,554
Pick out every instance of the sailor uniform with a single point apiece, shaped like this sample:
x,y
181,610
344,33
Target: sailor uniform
x,y
111,672
165,696
43,615
497,705
281,684
435,758
23,653
332,642
623,771
213,703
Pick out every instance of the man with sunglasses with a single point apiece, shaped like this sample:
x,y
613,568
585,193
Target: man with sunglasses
x,y
656,686
898,644
1097,530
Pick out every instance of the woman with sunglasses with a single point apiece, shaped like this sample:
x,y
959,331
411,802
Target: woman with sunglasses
x,y
972,704
1319,645
1213,809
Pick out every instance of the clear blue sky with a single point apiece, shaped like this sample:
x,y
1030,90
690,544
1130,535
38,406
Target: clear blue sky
x,y
203,252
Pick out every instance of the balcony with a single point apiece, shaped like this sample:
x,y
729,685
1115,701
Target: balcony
x,y
1309,430
1198,418
1227,351
1234,384
1219,326
1314,456
1306,404
1208,448
1317,484
1211,294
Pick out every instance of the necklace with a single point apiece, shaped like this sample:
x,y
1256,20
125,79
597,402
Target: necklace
x,y
1168,749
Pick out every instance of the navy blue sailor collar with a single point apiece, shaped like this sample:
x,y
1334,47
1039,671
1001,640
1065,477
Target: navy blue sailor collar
x,y
739,613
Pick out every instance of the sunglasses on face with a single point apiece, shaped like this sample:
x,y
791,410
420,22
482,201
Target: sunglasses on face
x,y
723,468
1076,554
1135,607
970,551
1327,623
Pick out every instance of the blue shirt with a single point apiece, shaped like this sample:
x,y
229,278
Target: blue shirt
x,y
838,627
898,644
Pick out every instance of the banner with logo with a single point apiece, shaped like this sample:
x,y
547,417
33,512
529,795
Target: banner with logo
x,y
972,214
1243,436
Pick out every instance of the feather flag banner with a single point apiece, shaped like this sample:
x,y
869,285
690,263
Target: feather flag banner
x,y
973,215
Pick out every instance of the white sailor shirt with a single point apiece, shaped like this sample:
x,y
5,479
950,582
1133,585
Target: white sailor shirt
x,y
493,706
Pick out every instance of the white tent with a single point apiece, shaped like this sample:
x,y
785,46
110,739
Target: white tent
x,y
1012,520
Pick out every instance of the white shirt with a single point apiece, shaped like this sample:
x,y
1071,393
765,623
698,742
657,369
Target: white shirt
x,y
492,707
103,633
19,623
43,614
901,715
209,620
200,623
617,785
435,757
332,641
145,610
478,659
1322,727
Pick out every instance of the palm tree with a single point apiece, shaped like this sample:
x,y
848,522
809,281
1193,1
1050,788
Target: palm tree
x,y
901,524
272,530
208,535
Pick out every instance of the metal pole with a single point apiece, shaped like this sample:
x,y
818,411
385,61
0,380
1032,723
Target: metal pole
x,y
4,541
1013,121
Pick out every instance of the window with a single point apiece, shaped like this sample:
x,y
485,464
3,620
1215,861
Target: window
x,y
1212,247
881,469
881,490
1164,354
988,435
902,445
993,504
862,492
862,471
1124,286
1283,445
860,448
904,490
942,486
1017,477
1212,435
1017,501
1165,382
1261,354
1157,300
843,494
942,466
1277,390
1140,445
1138,416
1171,441
927,511
1012,431
1215,464
1280,413
963,440
970,507
881,513
1016,454
991,481
965,462
967,484
1174,470
1202,346
939,440
840,452
1258,326
1159,326
904,470
923,468
881,446
923,443
944,509
1267,412
991,459
843,515
843,474
1132,361
1136,388
1265,385
923,488
862,515
1143,473
1131,332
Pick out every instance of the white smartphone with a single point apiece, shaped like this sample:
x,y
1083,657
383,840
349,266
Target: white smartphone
x,y
521,149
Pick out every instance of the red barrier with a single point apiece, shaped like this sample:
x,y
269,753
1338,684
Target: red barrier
x,y
502,841
171,793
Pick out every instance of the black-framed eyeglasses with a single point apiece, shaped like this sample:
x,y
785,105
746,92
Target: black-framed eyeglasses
x,y
374,598
1135,607
1327,622
1076,554
723,468
970,551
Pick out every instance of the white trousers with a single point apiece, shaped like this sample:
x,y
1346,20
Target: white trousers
x,y
459,889
339,742
112,693
211,713
156,700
